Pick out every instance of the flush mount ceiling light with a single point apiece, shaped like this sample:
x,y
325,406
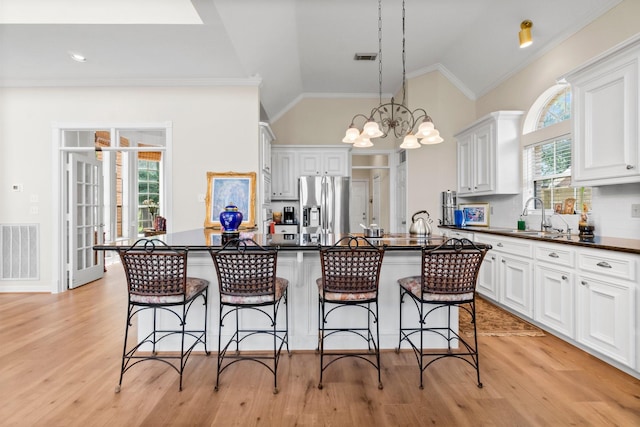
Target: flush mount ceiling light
x,y
391,116
77,57
525,33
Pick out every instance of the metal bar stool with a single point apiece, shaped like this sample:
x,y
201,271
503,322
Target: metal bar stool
x,y
350,278
157,280
248,283
448,279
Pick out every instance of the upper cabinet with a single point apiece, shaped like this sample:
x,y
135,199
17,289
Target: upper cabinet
x,y
289,162
606,92
489,155
284,177
266,139
323,162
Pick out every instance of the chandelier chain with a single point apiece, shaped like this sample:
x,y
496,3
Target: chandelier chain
x,y
404,59
380,50
414,126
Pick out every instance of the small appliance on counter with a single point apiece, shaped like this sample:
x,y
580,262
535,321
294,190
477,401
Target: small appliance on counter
x,y
289,215
448,200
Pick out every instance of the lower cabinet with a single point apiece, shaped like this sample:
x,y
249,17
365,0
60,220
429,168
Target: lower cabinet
x,y
506,273
588,296
515,278
554,294
606,288
554,298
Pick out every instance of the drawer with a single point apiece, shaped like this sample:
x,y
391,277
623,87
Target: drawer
x,y
459,235
555,254
608,263
515,246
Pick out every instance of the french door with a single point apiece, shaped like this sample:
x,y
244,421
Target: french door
x,y
84,218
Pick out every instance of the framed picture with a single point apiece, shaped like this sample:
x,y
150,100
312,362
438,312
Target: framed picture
x,y
230,188
475,213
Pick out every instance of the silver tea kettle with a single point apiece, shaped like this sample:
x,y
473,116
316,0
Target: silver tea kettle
x,y
420,226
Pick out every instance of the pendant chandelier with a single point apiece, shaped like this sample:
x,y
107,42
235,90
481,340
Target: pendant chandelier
x,y
392,117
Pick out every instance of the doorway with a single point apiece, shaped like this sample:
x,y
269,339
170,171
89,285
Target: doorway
x,y
376,169
99,189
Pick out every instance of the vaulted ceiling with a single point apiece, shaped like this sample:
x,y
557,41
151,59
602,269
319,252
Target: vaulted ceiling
x,y
296,47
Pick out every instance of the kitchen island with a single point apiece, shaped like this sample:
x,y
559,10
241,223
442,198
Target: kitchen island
x,y
299,262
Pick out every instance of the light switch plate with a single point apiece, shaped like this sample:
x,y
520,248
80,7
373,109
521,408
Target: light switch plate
x,y
635,211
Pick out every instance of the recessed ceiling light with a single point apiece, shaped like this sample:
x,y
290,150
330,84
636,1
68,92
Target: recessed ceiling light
x,y
77,57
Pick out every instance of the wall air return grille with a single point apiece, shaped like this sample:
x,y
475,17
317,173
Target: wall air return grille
x,y
19,248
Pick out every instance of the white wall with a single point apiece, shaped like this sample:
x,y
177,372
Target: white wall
x,y
214,129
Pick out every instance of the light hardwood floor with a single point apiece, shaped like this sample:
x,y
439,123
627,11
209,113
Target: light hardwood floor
x,y
60,356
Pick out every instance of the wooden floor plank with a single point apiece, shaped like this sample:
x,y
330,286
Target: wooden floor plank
x,y
60,357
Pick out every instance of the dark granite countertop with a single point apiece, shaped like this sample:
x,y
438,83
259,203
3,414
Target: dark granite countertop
x,y
204,239
598,242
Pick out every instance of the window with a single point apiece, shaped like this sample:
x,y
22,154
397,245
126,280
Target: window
x,y
547,154
148,192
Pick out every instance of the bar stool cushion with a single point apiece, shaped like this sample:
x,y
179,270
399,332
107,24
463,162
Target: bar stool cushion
x,y
194,286
413,284
281,286
344,296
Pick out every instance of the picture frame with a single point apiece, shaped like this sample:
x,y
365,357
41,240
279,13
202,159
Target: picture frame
x,y
476,214
225,188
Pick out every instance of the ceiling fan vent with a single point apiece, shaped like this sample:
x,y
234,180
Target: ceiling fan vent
x,y
365,56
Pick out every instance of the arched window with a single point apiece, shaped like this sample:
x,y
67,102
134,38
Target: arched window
x,y
547,153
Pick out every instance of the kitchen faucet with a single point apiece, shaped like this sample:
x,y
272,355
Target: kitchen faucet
x,y
563,220
543,224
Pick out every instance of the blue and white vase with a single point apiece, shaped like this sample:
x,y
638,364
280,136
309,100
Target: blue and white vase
x,y
230,219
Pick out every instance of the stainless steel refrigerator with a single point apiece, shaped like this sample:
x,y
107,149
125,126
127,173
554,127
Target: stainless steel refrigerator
x,y
324,204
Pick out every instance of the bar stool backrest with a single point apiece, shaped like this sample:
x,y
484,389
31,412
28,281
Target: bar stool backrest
x,y
452,267
246,268
154,270
352,265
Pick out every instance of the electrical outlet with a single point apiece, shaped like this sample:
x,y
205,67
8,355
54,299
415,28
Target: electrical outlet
x,y
16,187
635,211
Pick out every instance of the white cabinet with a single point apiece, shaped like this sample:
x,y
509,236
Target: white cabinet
x,y
489,155
266,139
605,304
554,288
606,93
506,272
284,185
323,162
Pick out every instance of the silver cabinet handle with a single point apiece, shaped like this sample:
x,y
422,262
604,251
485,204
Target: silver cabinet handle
x,y
493,258
554,255
564,277
630,167
504,261
603,264
499,244
583,283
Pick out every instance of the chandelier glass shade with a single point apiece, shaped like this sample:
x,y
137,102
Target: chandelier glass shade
x,y
415,127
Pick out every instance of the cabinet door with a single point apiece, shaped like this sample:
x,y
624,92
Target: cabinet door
x,y
334,163
310,163
284,185
265,146
515,277
606,123
605,316
266,188
488,277
465,185
554,298
483,152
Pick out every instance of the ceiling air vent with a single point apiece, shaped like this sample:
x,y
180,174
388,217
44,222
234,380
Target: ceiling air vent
x,y
365,56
